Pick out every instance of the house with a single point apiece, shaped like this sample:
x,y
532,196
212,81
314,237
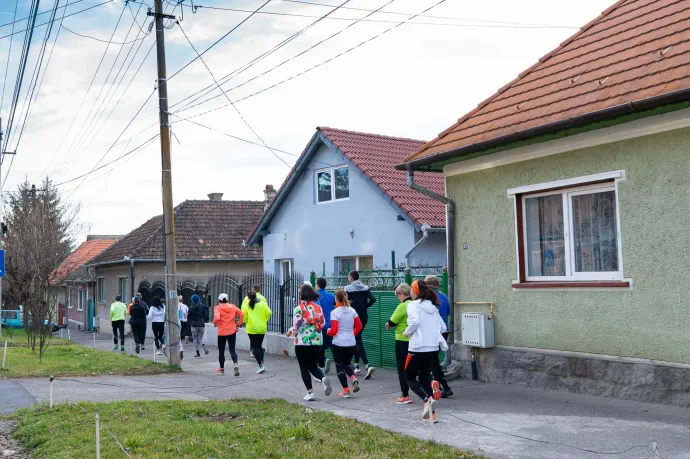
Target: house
x,y
209,237
571,193
343,206
75,283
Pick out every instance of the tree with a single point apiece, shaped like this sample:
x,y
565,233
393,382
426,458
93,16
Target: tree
x,y
41,228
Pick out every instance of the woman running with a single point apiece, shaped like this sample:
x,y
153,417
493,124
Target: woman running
x,y
307,324
424,328
399,321
157,316
345,325
198,316
227,317
137,319
257,313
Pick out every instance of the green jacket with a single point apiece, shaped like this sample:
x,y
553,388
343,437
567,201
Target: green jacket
x,y
256,318
399,321
117,311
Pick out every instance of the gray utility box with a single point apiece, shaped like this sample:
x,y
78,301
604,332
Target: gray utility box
x,y
477,330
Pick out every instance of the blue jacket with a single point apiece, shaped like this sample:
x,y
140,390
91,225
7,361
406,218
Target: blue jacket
x,y
444,308
327,303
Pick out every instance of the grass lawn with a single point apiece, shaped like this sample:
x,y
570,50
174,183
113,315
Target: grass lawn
x,y
214,429
66,358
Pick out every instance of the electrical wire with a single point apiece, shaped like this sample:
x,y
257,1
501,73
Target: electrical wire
x,y
99,39
15,20
7,64
230,101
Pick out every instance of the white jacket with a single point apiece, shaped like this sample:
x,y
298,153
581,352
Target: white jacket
x,y
425,327
156,315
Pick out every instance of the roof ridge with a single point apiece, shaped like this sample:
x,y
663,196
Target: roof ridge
x,y
369,134
541,60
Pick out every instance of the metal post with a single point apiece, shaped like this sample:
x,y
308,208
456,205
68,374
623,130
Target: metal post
x,y
4,354
312,279
98,437
282,309
52,378
408,276
169,228
444,282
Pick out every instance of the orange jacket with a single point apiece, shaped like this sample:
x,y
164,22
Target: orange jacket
x,y
225,318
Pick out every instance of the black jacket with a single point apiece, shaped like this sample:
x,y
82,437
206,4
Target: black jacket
x,y
197,315
361,299
137,314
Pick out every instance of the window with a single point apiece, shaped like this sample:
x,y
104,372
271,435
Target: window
x,y
122,288
569,233
80,300
69,298
285,270
332,184
101,290
360,263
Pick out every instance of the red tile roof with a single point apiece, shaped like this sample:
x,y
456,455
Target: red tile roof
x,y
375,155
83,254
635,50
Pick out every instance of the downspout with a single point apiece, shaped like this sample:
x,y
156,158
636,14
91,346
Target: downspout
x,y
450,247
425,236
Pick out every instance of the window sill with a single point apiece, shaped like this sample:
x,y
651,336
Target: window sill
x,y
572,285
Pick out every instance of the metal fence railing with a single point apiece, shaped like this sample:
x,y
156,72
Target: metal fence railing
x,y
386,279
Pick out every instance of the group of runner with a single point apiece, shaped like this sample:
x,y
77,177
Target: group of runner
x,y
321,321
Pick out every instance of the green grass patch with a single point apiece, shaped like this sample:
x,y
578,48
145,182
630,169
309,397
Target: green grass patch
x,y
66,358
213,429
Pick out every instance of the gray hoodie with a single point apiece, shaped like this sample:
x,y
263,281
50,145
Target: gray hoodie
x,y
361,299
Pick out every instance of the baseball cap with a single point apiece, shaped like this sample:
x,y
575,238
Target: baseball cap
x,y
223,296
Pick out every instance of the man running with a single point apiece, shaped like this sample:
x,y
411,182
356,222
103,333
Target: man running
x,y
361,299
327,303
256,288
117,318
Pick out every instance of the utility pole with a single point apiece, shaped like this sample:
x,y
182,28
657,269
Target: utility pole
x,y
168,215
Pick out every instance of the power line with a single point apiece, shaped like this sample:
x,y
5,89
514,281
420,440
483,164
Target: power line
x,y
99,39
15,20
7,64
230,101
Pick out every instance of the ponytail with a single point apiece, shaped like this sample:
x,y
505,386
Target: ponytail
x,y
252,299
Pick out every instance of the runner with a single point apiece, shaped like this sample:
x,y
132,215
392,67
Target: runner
x,y
345,325
307,324
198,316
137,319
257,313
361,299
424,328
227,317
182,314
117,318
444,311
256,288
399,321
327,303
157,316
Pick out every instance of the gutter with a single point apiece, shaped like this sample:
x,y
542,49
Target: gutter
x,y
450,249
682,95
162,260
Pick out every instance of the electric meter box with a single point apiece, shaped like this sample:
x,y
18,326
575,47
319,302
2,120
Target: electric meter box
x,y
477,330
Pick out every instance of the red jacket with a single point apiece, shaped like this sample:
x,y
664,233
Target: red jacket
x,y
225,318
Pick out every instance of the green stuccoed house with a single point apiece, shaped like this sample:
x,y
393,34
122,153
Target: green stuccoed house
x,y
571,195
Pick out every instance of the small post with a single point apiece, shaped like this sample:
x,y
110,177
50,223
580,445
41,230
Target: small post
x,y
94,339
323,269
408,276
69,335
52,378
4,354
393,267
154,352
312,278
444,280
61,332
98,437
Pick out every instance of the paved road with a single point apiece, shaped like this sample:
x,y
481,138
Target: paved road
x,y
13,396
501,421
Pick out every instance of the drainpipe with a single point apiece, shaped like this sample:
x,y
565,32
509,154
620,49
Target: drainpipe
x,y
425,236
450,247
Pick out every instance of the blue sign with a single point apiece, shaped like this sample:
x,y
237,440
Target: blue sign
x,y
2,263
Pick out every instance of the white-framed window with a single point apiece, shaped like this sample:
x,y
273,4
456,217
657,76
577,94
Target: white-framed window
x,y
569,230
69,298
285,270
122,288
359,263
80,300
101,290
332,184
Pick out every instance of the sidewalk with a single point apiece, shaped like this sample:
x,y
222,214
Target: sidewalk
x,y
500,421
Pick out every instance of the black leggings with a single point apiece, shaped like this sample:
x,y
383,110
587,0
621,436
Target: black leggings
x,y
400,358
342,357
158,332
256,344
231,340
418,366
139,333
308,359
119,325
360,352
437,371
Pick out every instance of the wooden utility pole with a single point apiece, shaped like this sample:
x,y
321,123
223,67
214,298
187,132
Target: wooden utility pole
x,y
173,340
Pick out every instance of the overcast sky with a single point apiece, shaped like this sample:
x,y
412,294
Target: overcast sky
x,y
413,81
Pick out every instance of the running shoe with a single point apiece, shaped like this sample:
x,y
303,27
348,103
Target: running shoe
x,y
159,352
205,349
370,372
143,348
447,393
310,397
355,385
426,413
357,370
436,388
165,351
261,370
434,418
237,370
122,349
115,348
327,389
197,356
345,394
327,366
403,400
220,371
137,348
251,353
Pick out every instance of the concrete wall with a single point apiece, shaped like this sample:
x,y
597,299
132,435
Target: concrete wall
x,y
311,233
650,321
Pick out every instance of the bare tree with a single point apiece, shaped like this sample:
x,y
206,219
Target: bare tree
x,y
40,229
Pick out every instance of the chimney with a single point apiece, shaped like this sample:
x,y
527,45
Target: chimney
x,y
269,193
215,196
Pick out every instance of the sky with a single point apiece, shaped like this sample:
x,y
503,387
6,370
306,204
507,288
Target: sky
x,y
413,81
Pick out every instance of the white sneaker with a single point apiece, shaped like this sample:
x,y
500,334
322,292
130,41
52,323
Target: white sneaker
x,y
358,371
327,367
370,372
159,353
327,389
251,354
261,370
310,397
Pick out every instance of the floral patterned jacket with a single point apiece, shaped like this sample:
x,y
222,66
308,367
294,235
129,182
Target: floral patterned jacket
x,y
307,323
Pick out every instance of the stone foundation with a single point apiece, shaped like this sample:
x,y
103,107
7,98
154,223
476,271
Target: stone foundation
x,y
624,378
